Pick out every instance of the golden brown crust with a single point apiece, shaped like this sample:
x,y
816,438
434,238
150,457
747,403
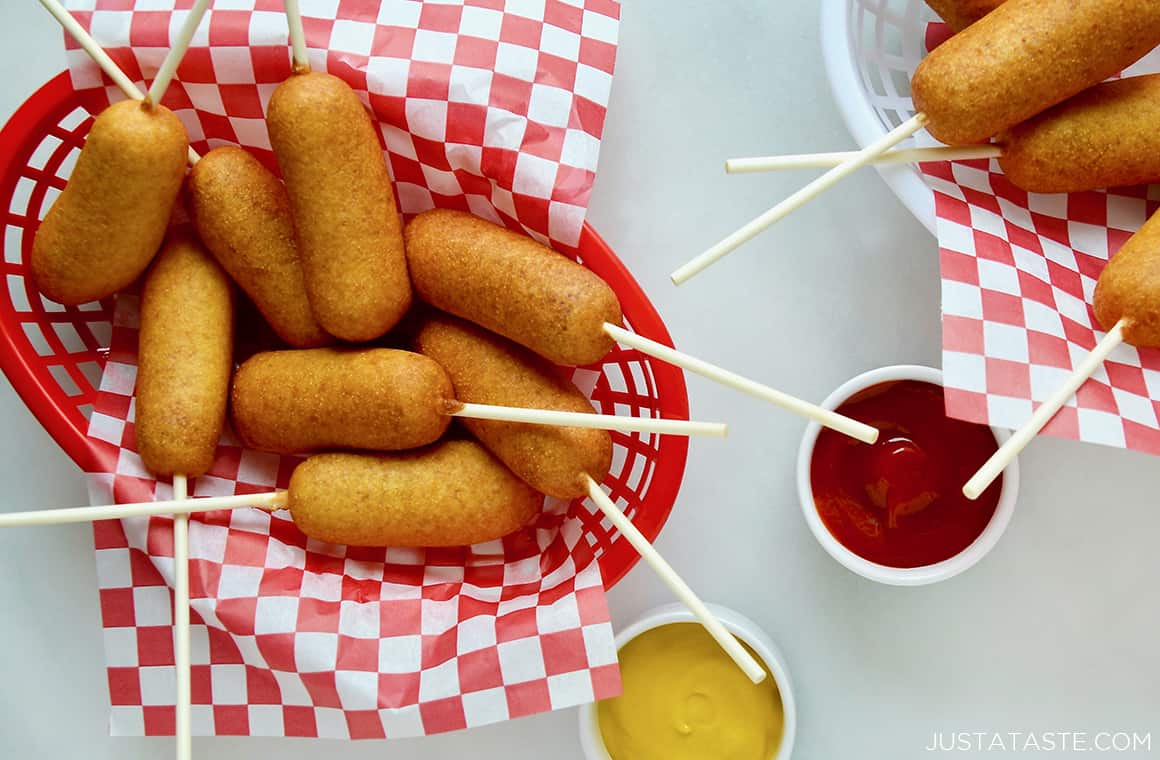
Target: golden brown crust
x,y
295,402
488,369
107,224
451,494
511,285
243,215
1129,287
1106,136
185,356
1024,57
959,14
349,233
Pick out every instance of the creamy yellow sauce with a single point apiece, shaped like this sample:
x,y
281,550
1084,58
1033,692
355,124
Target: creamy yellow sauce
x,y
684,699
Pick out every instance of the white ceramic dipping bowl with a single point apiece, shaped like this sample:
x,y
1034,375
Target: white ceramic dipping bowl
x,y
900,576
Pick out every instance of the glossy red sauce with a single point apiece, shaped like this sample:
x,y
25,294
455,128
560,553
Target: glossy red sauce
x,y
899,502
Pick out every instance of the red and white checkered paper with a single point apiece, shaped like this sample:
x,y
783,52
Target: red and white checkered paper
x,y
1018,274
293,637
487,106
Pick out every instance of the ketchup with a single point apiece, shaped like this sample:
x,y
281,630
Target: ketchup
x,y
899,502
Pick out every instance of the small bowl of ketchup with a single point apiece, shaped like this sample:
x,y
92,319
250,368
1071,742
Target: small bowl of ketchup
x,y
894,511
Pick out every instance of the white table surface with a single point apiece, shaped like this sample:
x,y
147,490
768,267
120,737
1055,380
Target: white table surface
x,y
1055,630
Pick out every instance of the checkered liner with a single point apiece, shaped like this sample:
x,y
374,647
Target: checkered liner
x,y
492,106
1018,273
292,637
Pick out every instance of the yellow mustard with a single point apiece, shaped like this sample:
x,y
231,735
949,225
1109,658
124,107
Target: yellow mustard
x,y
684,699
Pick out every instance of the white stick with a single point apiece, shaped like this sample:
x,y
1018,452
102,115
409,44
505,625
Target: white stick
x,y
297,37
177,52
100,57
680,589
181,622
799,199
589,420
827,160
269,501
1021,437
824,417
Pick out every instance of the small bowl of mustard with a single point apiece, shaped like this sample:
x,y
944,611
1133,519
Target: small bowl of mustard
x,y
684,699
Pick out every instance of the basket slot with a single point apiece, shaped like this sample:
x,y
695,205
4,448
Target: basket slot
x,y
635,473
70,338
22,195
64,380
13,244
44,152
35,335
73,126
17,294
92,371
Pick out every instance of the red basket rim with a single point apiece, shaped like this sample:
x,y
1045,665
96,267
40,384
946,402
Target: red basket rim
x,y
32,380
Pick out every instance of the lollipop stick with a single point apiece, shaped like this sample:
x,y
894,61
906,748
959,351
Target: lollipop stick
x,y
99,56
586,420
269,501
824,417
800,198
176,53
827,160
297,37
1048,409
181,621
732,647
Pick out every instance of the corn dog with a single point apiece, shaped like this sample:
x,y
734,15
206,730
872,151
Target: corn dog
x,y
1024,57
959,14
243,215
487,369
1103,137
511,285
184,359
348,229
296,402
1129,287
107,224
453,493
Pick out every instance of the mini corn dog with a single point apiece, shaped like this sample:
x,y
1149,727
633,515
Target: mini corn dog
x,y
296,402
348,229
1024,57
485,368
107,224
243,215
511,285
1104,137
184,362
453,493
959,14
1128,288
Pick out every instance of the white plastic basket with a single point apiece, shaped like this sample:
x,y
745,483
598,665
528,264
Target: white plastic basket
x,y
871,48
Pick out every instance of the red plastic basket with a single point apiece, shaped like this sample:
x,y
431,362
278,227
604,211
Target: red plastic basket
x,y
54,355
